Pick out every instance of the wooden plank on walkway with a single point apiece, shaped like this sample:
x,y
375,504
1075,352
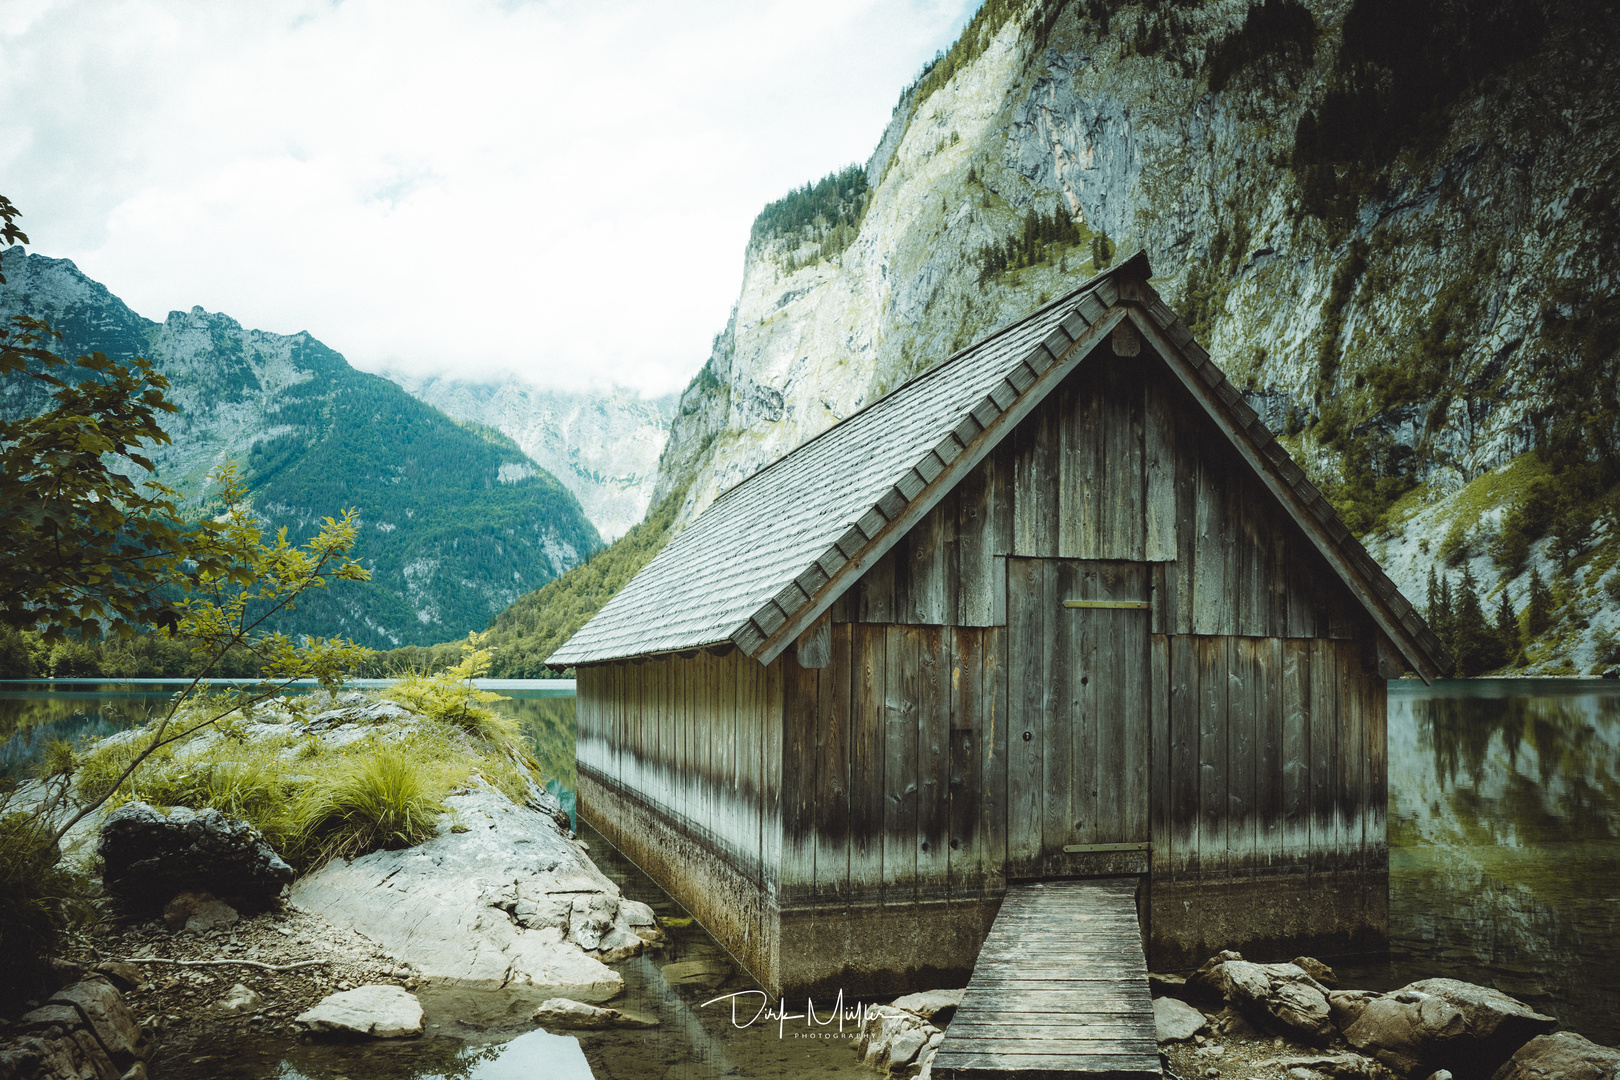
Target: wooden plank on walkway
x,y
1060,990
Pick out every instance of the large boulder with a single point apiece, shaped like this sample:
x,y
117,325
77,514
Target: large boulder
x,y
379,1011
84,1031
1444,1023
1563,1055
1278,995
893,1039
499,899
148,857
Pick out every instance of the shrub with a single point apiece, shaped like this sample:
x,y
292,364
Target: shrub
x,y
39,899
381,800
452,698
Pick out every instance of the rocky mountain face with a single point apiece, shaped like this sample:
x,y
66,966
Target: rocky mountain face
x,y
604,447
456,522
1393,223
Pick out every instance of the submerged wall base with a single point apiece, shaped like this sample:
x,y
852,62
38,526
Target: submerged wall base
x,y
1268,917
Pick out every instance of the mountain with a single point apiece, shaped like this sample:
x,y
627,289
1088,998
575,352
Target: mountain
x,y
604,446
1392,222
456,521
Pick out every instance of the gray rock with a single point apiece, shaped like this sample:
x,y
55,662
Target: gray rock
x,y
1562,1055
1437,1023
1176,1021
1283,993
893,1038
148,858
562,1012
198,911
938,1005
380,1011
1347,1005
1334,1066
124,976
372,713
240,998
483,908
106,1015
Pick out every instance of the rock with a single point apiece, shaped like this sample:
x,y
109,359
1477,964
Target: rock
x,y
373,713
148,858
1562,1055
641,920
938,1005
1176,1021
1347,1005
1205,983
1317,970
1437,1023
103,1009
1284,994
1173,985
240,998
893,1038
1440,1074
491,907
684,972
198,911
561,1012
136,1071
124,976
1334,1066
380,1011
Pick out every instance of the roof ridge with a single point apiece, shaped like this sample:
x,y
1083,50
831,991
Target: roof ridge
x,y
1093,282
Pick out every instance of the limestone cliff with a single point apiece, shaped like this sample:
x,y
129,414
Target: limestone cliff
x,y
1393,224
603,446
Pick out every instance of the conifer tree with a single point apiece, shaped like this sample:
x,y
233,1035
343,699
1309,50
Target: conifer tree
x,y
1432,611
1440,620
1507,630
1472,644
1538,618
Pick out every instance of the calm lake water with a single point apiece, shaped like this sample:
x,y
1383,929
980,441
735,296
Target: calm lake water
x,y
1504,870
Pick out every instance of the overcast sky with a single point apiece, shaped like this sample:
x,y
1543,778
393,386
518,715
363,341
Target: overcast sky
x,y
561,190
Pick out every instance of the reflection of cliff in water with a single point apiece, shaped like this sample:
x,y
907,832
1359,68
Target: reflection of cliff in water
x,y
1505,838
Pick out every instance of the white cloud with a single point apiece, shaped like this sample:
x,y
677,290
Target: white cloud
x,y
560,190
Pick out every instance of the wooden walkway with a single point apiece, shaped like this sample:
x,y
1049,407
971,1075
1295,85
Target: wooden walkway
x,y
1060,989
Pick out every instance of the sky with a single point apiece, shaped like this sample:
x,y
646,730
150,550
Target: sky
x,y
559,191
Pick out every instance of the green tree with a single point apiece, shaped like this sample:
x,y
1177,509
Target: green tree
x,y
1507,629
1539,607
1472,643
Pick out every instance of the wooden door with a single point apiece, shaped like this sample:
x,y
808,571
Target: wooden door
x,y
1078,701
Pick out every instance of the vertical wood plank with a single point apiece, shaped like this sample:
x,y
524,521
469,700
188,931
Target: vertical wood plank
x,y
968,727
801,703
1269,761
1303,573
1035,489
1253,550
1186,480
875,590
933,762
832,774
975,547
1123,516
1027,695
1159,468
774,717
993,802
870,648
1353,759
900,766
1068,741
1214,662
1185,729
1276,535
1135,712
1324,715
1242,747
925,601
1215,584
1375,714
1158,733
1080,472
1296,754
1000,463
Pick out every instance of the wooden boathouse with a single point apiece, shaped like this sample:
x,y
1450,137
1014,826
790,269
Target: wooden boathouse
x,y
1060,607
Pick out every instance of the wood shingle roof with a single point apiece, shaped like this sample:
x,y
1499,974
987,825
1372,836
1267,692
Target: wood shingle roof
x,y
773,552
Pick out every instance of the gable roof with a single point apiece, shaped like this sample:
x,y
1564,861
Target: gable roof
x,y
771,554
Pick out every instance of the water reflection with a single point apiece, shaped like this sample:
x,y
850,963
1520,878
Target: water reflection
x,y
1505,843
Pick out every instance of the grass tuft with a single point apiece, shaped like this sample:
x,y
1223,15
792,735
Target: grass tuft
x,y
384,800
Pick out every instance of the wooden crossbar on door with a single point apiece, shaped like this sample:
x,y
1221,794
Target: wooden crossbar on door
x,y
1134,605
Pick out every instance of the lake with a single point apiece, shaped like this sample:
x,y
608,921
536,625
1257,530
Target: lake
x,y
1504,823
